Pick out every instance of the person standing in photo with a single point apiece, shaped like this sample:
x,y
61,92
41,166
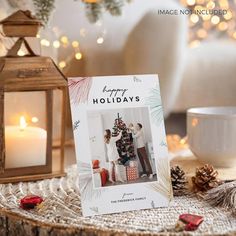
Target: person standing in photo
x,y
112,154
141,150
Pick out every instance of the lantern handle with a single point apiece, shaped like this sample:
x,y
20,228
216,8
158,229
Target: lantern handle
x,y
16,47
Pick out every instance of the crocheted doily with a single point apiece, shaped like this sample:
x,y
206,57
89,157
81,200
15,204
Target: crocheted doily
x,y
62,209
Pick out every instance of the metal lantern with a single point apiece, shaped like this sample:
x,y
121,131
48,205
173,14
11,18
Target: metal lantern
x,y
26,148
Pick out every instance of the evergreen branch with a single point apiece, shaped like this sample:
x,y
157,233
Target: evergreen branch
x,y
44,9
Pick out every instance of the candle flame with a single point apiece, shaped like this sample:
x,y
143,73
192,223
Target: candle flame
x,y
23,123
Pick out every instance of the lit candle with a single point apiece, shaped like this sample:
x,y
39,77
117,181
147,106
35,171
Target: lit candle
x,y
25,145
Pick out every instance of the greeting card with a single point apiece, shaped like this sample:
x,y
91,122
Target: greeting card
x,y
120,143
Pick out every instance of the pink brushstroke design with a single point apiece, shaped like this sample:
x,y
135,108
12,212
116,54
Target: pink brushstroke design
x,y
79,89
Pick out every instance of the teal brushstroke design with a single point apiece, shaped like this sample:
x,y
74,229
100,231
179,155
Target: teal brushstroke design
x,y
163,144
154,102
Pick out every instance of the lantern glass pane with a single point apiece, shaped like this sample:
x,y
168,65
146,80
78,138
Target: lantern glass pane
x,y
57,115
57,131
25,129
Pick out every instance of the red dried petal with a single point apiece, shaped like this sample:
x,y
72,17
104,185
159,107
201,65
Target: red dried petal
x,y
30,202
190,227
192,219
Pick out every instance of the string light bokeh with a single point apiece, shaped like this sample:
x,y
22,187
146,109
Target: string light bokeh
x,y
65,42
208,26
202,27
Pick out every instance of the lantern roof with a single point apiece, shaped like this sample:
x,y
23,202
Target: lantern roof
x,y
21,17
30,73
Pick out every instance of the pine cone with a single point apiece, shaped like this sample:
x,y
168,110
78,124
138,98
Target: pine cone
x,y
205,178
178,180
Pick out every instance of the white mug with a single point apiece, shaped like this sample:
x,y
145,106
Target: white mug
x,y
212,135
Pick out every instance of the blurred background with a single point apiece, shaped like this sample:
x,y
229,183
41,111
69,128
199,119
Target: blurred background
x,y
194,54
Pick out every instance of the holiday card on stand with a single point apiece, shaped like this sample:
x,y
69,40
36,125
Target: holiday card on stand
x,y
115,121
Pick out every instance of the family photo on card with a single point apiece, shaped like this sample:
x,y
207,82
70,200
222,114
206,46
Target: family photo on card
x,y
125,152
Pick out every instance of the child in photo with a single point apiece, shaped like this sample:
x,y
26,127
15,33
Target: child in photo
x,y
112,154
141,150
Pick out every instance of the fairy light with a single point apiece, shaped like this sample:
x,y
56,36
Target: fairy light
x,y
203,26
100,40
78,55
21,53
202,33
224,4
45,42
56,44
215,20
228,15
75,44
223,26
38,36
191,2
234,35
198,8
210,5
206,17
62,64
64,40
194,18
176,143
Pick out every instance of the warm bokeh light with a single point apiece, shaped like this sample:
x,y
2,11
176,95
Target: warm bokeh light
x,y
223,26
206,17
34,119
64,40
210,5
210,19
75,44
78,56
202,33
191,2
228,15
224,4
234,35
62,64
21,53
45,42
100,40
56,44
194,18
215,20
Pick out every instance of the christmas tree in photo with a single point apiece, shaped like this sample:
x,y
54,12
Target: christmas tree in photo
x,y
125,146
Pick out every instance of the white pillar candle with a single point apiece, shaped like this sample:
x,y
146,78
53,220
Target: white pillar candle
x,y
25,146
